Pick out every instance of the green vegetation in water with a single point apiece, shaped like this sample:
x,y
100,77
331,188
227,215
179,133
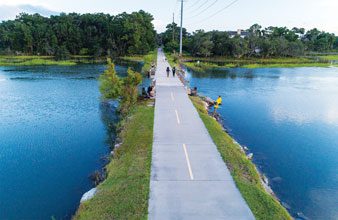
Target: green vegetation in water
x,y
244,172
125,192
24,60
202,66
33,61
330,57
217,63
286,65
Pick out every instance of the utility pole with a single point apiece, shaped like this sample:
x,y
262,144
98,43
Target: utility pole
x,y
181,33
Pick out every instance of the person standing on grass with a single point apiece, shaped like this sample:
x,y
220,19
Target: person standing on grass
x,y
174,71
168,71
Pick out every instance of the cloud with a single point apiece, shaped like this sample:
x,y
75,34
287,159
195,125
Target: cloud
x,y
8,12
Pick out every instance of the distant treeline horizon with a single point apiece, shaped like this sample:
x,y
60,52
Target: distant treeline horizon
x,y
256,42
102,34
62,35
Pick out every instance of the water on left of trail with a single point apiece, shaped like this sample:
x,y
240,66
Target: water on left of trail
x,y
54,132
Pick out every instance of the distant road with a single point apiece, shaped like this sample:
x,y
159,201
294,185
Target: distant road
x,y
189,179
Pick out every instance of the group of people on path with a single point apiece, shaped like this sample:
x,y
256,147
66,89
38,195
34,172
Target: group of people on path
x,y
173,71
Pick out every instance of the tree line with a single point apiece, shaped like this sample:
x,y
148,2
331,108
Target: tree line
x,y
257,42
78,34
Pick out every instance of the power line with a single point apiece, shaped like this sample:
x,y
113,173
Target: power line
x,y
219,11
201,12
197,2
175,6
192,5
190,2
203,3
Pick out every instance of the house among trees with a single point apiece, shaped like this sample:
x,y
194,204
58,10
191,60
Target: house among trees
x,y
239,32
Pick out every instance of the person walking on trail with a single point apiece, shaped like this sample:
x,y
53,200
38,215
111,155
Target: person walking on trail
x,y
174,71
168,71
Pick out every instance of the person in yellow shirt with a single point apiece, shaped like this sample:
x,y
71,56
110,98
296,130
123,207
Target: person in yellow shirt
x,y
219,100
217,104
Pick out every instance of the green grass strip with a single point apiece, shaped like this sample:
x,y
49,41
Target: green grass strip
x,y
125,192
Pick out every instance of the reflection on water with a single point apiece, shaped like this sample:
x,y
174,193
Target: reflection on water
x,y
289,119
231,73
53,133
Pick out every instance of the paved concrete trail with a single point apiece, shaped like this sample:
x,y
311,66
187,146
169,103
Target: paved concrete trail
x,y
189,179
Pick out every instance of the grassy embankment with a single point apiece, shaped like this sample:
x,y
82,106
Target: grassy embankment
x,y
124,194
261,203
219,62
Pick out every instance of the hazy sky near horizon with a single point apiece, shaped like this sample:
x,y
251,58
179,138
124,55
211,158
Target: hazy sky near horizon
x,y
242,14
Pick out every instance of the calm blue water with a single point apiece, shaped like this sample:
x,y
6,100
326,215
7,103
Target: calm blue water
x,y
288,117
53,134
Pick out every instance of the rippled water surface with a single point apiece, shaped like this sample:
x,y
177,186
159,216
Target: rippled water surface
x,y
289,119
53,134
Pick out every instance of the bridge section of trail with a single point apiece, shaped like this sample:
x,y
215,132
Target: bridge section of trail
x,y
189,179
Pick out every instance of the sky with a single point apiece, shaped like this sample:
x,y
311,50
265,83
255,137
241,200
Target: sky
x,y
198,14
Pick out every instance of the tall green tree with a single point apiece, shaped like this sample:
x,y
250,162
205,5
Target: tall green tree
x,y
110,82
129,92
125,89
171,38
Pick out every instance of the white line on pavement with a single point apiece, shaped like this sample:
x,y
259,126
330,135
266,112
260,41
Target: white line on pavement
x,y
172,97
188,162
178,119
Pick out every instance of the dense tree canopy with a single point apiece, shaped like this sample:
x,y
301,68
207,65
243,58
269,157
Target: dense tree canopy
x,y
258,41
171,37
86,34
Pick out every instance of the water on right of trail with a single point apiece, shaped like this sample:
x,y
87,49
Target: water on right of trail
x,y
288,118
